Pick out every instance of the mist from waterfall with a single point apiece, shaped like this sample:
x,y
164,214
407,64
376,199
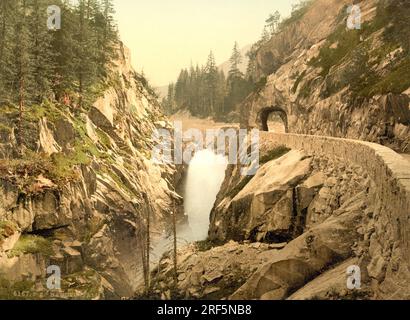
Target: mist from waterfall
x,y
206,173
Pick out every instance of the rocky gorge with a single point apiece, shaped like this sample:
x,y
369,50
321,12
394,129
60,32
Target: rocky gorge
x,y
77,199
317,205
82,191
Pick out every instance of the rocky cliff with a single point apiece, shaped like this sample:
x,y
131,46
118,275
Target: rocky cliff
x,y
75,198
271,234
334,81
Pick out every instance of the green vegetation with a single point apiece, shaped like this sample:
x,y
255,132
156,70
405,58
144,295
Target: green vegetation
x,y
32,244
235,190
64,163
298,11
40,67
298,80
120,183
37,63
355,60
103,137
23,172
206,245
397,81
84,285
339,44
273,154
205,91
59,168
13,290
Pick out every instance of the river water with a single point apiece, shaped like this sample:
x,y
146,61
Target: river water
x,y
206,173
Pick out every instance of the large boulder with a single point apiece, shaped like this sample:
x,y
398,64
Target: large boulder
x,y
304,258
264,208
332,285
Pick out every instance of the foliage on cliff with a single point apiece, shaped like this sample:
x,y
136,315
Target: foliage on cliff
x,y
355,58
38,63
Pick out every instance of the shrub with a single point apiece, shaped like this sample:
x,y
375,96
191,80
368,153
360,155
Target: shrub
x,y
273,154
32,244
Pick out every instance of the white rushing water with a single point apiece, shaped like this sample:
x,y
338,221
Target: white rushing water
x,y
206,173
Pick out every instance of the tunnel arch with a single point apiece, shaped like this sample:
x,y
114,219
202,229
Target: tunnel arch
x,y
266,112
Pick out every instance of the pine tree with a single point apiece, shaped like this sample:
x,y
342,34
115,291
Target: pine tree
x,y
107,35
85,62
273,21
235,60
174,229
37,63
265,35
7,16
21,71
211,79
64,44
41,51
221,93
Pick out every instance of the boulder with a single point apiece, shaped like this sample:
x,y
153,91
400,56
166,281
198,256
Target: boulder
x,y
332,284
73,261
264,208
303,258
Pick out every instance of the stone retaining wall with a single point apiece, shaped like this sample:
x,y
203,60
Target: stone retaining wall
x,y
389,240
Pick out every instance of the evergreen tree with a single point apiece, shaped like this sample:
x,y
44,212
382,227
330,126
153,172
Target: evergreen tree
x,y
107,35
238,87
235,60
85,64
265,35
21,71
7,13
37,63
63,43
205,91
273,22
41,51
211,78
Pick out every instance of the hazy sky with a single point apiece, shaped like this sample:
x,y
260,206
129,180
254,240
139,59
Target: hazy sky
x,y
166,35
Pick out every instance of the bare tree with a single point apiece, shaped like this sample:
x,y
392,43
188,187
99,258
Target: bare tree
x,y
174,227
147,240
141,241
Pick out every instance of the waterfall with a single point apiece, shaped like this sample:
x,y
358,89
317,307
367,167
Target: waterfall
x,y
206,173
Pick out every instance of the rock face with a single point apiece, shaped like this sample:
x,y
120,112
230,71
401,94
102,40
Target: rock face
x,y
286,197
78,191
301,218
262,210
210,274
333,81
304,258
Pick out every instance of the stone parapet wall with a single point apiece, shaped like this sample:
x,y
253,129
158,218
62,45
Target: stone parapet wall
x,y
389,241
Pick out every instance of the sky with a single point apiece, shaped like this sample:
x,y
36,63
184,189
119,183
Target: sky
x,y
167,35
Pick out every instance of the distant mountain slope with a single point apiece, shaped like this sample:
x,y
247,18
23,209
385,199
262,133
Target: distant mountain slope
x,y
162,91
